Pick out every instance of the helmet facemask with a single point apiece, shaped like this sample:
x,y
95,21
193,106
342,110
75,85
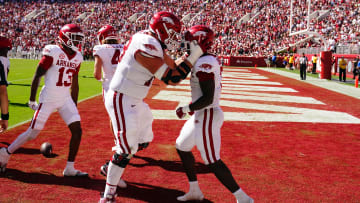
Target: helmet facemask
x,y
74,41
172,42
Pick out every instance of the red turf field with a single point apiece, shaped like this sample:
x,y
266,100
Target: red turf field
x,y
302,148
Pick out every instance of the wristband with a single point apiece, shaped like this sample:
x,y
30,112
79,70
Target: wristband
x,y
5,116
186,109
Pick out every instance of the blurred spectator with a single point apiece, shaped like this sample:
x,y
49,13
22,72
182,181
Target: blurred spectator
x,y
303,65
356,70
314,62
342,69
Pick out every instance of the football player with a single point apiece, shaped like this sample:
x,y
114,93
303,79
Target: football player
x,y
144,58
203,128
59,65
106,55
5,46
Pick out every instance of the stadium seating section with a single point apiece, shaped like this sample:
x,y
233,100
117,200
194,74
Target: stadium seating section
x,y
252,28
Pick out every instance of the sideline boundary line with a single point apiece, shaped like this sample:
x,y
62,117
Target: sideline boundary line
x,y
23,122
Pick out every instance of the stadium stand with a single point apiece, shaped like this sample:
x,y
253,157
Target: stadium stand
x,y
243,28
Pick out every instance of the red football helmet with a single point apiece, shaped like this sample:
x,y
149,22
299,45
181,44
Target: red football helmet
x,y
167,28
106,32
71,36
202,34
5,43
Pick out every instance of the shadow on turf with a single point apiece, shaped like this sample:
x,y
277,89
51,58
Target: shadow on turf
x,y
29,151
18,104
10,83
138,191
175,166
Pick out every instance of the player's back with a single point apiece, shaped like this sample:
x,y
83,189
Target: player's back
x,y
58,77
131,77
206,64
109,54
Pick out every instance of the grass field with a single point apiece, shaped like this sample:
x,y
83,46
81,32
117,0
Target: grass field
x,y
21,74
20,77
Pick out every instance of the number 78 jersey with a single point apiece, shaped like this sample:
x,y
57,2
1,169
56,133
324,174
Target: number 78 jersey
x,y
60,70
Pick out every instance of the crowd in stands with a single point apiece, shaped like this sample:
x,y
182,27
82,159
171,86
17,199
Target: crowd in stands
x,y
266,31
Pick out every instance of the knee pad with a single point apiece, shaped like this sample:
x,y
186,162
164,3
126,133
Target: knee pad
x,y
143,146
120,159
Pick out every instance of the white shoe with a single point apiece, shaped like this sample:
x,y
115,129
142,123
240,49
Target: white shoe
x,y
108,199
192,195
74,173
4,158
249,200
122,184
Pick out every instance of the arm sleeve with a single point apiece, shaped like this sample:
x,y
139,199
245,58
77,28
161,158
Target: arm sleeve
x,y
46,62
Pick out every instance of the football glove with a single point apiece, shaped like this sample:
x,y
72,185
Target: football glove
x,y
182,111
33,105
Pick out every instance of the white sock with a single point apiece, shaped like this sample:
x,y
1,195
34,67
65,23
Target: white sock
x,y
29,134
194,185
70,165
240,195
113,177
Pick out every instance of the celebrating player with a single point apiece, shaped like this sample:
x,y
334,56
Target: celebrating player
x,y
144,58
205,134
5,46
106,56
59,65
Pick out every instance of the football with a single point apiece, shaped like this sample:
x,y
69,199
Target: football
x,y
46,149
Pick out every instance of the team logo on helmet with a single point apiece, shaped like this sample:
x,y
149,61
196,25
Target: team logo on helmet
x,y
150,46
200,33
168,20
206,66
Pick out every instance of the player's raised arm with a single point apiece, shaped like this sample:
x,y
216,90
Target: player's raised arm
x,y
160,68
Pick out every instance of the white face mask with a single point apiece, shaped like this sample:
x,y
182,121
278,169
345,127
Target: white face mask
x,y
173,41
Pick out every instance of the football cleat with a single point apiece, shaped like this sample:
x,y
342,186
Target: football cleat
x,y
192,195
4,158
74,173
108,199
104,168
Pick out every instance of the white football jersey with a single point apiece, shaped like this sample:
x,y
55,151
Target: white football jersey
x,y
109,54
4,69
208,64
58,77
131,77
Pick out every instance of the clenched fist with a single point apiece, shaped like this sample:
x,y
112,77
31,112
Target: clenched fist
x,y
33,105
182,111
